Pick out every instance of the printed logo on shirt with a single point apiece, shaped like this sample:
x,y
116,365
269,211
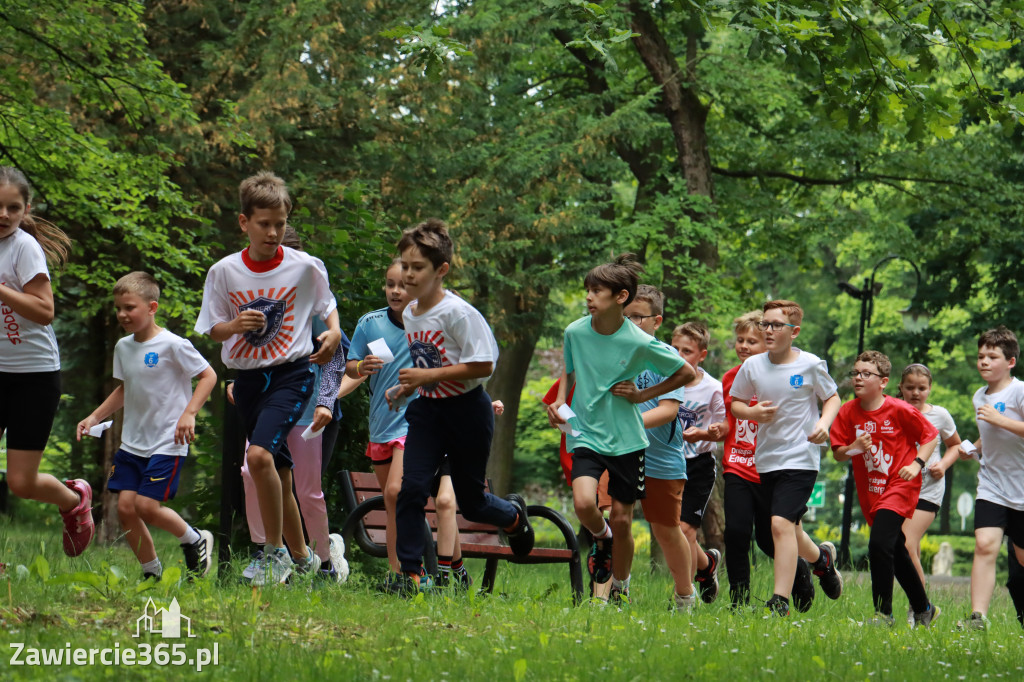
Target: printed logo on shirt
x,y
151,359
687,417
274,338
746,433
796,381
876,459
870,427
427,351
1001,407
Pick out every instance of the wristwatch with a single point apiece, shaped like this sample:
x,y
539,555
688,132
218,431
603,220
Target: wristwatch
x,y
919,461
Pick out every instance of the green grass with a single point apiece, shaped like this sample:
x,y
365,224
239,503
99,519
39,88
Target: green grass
x,y
527,630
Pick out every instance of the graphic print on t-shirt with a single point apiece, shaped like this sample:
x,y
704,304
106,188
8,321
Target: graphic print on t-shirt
x,y
151,359
427,350
274,338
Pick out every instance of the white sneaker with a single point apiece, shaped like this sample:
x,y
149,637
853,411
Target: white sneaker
x,y
308,566
249,572
199,554
274,568
338,557
687,603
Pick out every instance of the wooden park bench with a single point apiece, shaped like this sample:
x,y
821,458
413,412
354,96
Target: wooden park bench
x,y
366,521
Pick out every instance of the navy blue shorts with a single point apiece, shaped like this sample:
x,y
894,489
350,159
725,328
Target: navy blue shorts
x,y
155,477
29,404
270,400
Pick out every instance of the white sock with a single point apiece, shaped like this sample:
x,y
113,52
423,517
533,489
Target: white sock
x,y
153,567
190,536
621,585
604,534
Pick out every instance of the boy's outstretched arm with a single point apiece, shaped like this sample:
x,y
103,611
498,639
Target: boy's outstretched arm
x,y
113,403
663,413
989,414
245,321
185,430
678,379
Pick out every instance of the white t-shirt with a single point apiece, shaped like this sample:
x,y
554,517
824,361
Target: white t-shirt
x,y
450,333
157,378
795,388
702,405
27,346
289,294
933,490
1001,477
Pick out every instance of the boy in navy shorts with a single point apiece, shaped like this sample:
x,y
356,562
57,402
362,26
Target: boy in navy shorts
x,y
259,303
156,369
453,352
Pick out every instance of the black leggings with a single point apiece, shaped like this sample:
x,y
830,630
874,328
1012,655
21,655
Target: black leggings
x,y
746,512
1015,582
888,555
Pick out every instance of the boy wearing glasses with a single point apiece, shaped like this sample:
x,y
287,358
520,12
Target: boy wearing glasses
x,y
788,384
889,441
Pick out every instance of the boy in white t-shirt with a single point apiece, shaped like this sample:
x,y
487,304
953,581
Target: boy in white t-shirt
x,y
702,420
259,304
788,383
453,353
156,369
999,507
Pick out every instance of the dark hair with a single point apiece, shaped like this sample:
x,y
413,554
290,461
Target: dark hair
x,y
697,331
432,239
623,274
291,238
650,295
1003,339
913,368
792,310
142,284
263,190
879,360
54,242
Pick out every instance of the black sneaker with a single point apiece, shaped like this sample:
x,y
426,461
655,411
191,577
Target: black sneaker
x,y
401,584
146,575
803,586
520,539
456,581
462,579
927,617
777,606
707,579
830,578
199,554
599,561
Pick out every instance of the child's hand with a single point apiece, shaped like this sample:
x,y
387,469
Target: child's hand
x,y
85,425
413,377
627,390
247,321
553,417
987,413
764,412
371,364
396,396
499,408
861,442
231,392
909,472
321,417
936,470
718,430
694,435
329,341
820,434
185,431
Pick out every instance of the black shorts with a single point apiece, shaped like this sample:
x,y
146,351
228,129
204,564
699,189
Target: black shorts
x,y
788,491
625,472
29,404
270,400
444,470
991,515
700,481
926,506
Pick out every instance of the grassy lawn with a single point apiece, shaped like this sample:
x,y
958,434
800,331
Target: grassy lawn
x,y
527,630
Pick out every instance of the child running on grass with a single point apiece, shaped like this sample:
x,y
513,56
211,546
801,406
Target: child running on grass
x,y
915,387
604,354
30,360
156,369
665,472
889,442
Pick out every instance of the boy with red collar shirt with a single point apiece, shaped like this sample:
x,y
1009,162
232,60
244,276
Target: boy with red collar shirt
x,y
893,440
259,304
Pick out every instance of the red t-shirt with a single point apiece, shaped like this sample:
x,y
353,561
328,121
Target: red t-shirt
x,y
896,428
738,449
564,456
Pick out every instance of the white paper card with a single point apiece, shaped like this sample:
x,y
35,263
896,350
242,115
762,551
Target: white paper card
x,y
968,447
98,430
381,350
857,451
566,413
310,434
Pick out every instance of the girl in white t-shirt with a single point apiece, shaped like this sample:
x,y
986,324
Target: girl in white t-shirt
x,y
915,386
30,361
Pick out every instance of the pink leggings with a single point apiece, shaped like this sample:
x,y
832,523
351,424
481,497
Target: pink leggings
x,y
306,454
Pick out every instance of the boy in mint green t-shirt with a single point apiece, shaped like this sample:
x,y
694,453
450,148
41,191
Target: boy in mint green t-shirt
x,y
603,357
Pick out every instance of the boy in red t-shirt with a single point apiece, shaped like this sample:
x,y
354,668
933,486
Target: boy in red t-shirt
x,y
894,441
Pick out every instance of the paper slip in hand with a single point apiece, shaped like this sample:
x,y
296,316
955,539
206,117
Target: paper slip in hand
x,y
968,447
98,430
566,413
857,451
310,434
381,350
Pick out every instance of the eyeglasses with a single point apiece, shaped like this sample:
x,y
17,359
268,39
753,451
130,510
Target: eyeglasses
x,y
865,375
774,326
637,319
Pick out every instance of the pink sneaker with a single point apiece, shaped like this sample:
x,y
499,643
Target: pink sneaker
x,y
78,524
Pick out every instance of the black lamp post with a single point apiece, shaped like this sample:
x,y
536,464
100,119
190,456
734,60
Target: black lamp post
x,y
913,321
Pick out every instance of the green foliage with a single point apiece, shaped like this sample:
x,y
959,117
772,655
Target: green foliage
x,y
536,442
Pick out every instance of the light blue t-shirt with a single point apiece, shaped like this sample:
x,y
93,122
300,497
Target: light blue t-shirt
x,y
385,425
664,457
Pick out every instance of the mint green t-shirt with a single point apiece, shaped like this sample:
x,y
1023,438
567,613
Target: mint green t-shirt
x,y
611,425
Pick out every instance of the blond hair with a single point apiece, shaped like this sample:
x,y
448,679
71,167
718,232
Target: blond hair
x,y
263,190
142,284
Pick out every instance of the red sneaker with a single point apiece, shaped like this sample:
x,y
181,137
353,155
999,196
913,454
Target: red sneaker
x,y
78,524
